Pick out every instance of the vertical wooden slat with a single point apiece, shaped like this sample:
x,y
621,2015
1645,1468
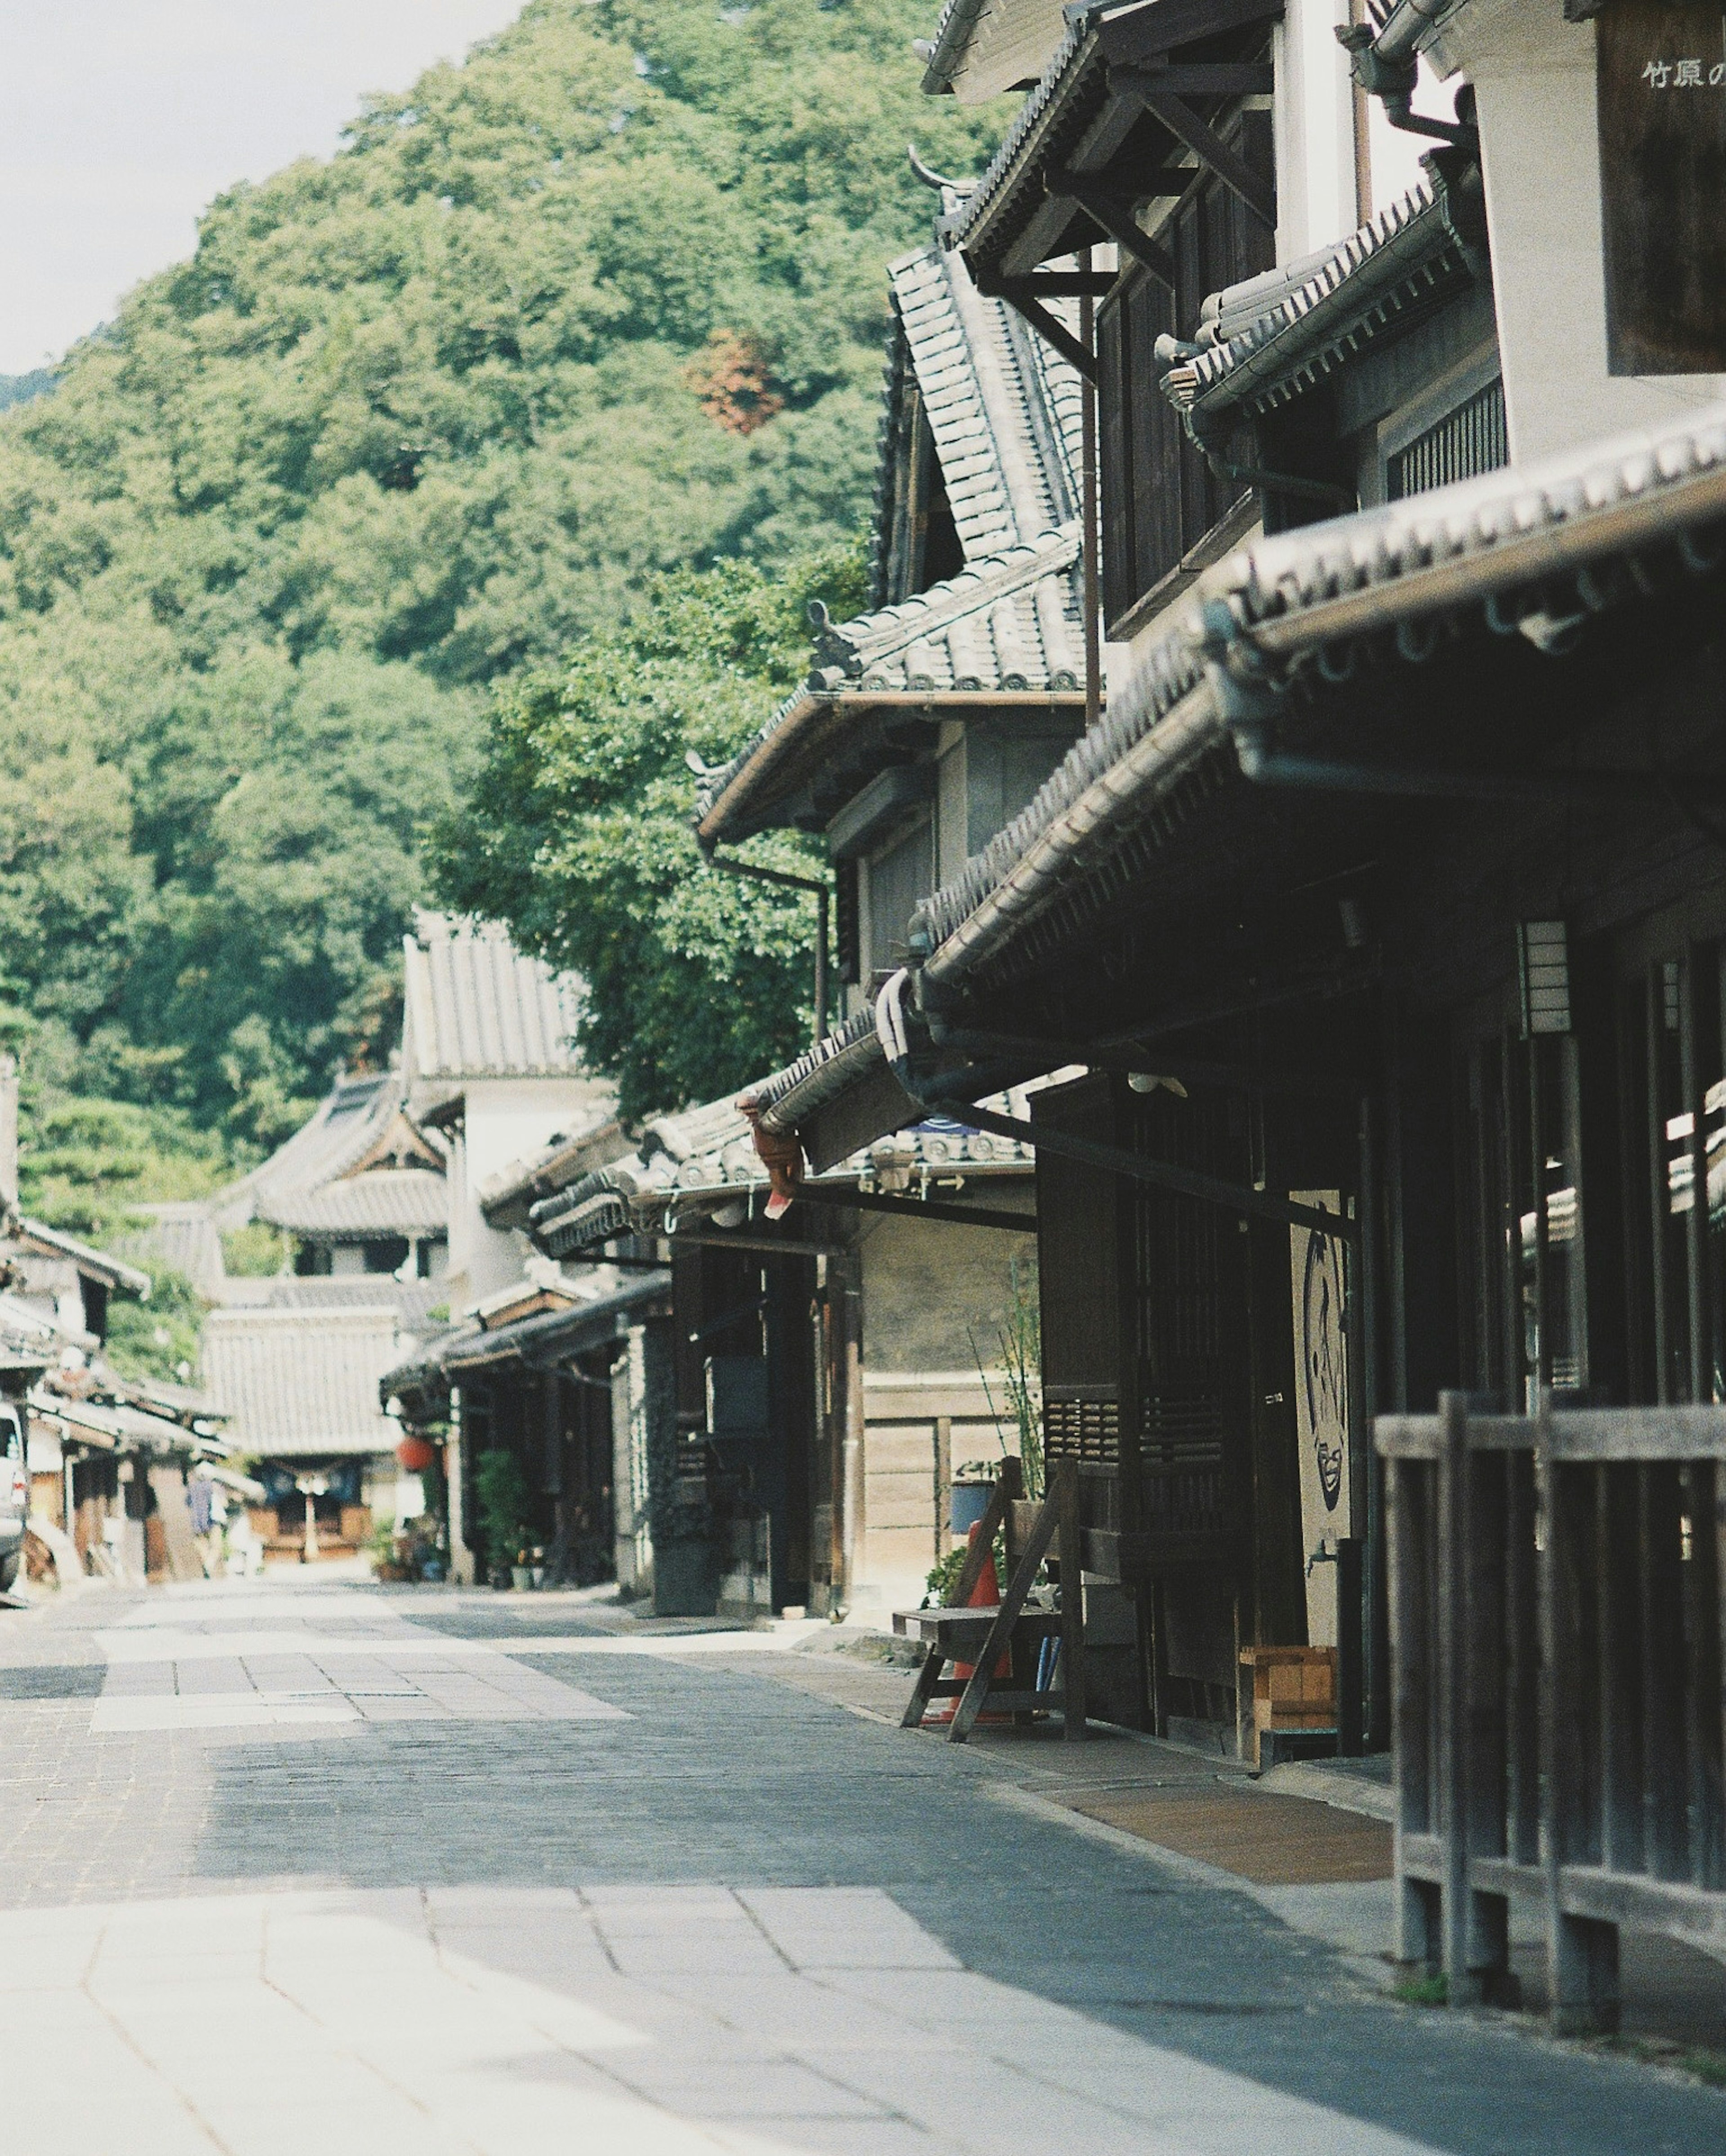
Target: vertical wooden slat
x,y
1522,1642
1450,1757
1704,1707
1408,1516
1664,1774
1616,1659
1582,1957
1659,1199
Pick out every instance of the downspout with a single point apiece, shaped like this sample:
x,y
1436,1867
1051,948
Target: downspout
x,y
1386,64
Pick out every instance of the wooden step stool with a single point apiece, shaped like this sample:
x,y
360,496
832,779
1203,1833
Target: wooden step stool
x,y
981,1637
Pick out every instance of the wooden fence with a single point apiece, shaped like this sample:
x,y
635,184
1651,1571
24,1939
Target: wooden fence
x,y
1556,1624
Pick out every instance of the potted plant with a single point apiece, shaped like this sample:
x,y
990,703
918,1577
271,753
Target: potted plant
x,y
501,1490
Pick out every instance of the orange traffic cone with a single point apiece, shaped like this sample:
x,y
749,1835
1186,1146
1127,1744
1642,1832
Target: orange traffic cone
x,y
986,1595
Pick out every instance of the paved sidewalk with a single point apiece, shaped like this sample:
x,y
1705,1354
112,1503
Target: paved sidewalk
x,y
732,1910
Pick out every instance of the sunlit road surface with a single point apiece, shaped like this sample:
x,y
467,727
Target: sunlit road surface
x,y
329,1868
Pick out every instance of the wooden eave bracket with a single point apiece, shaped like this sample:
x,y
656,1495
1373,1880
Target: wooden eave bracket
x,y
1151,87
1022,295
1114,218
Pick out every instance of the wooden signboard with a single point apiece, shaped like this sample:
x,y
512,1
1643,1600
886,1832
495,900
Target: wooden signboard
x,y
1661,103
1320,1285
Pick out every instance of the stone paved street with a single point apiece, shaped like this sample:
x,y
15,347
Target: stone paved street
x,y
356,1870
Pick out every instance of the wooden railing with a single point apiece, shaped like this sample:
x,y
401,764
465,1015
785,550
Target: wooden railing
x,y
1556,1626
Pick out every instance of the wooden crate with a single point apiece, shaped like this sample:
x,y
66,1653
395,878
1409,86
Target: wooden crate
x,y
1293,1688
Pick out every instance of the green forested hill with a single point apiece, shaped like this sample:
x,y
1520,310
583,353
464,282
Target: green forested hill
x,y
605,300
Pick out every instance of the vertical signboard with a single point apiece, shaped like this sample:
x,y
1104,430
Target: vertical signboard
x,y
1319,1278
1661,107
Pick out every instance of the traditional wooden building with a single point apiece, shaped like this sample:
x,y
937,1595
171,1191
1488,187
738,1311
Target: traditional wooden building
x,y
825,1377
1381,906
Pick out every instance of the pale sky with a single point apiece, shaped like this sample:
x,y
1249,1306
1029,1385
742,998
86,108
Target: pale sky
x,y
121,118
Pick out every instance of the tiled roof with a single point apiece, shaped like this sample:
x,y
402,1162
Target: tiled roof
x,y
349,1121
410,1300
1014,622
111,1428
382,1201
987,391
302,1384
182,1237
602,1315
709,1154
1521,546
508,1194
1278,334
477,1008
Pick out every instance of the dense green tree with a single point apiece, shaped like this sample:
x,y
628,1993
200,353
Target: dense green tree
x,y
577,832
435,409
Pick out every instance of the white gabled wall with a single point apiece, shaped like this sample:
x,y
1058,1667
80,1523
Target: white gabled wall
x,y
1316,198
1533,78
504,1121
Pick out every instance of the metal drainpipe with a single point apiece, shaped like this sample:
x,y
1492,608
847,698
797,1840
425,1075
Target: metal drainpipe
x,y
1087,458
823,901
851,1457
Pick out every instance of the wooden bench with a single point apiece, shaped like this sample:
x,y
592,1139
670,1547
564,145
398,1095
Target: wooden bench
x,y
982,1637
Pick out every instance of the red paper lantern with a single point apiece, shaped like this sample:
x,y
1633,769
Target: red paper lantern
x,y
415,1454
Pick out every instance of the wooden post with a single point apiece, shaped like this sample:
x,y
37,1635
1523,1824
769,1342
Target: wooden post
x,y
1409,1538
1072,1603
1581,1954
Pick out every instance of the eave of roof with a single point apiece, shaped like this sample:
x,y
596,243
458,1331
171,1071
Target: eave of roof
x,y
1410,254
1013,635
953,33
634,1196
1072,93
505,1198
110,1272
569,1332
1486,543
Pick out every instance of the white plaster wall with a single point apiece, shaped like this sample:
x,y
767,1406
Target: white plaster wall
x,y
505,1120
1317,200
1533,76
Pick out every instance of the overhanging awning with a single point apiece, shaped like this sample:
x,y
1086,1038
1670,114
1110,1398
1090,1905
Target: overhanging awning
x,y
111,1428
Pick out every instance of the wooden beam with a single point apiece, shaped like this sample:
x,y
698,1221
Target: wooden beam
x,y
1206,145
1141,33
1226,81
1061,283
919,1208
1011,290
1241,1199
1115,218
